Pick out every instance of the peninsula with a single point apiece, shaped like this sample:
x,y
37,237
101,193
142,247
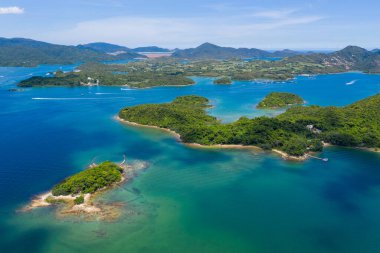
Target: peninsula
x,y
295,133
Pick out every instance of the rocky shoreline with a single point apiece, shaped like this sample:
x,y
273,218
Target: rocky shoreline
x,y
90,209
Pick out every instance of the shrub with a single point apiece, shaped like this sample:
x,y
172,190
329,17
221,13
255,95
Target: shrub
x,y
79,200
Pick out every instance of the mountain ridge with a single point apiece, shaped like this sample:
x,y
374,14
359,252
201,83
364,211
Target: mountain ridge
x,y
28,53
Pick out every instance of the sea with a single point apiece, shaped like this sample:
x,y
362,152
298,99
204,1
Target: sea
x,y
188,199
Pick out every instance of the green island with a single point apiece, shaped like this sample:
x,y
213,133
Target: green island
x,y
294,133
280,99
90,180
75,195
223,80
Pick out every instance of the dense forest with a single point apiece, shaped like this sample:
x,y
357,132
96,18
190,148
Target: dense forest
x,y
280,99
296,132
103,74
29,53
223,80
89,180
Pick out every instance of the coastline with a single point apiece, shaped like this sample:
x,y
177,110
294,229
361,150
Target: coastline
x,y
284,155
176,135
376,150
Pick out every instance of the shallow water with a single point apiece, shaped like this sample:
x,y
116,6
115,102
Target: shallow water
x,y
188,200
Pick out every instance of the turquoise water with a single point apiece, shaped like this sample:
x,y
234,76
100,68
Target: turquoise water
x,y
188,200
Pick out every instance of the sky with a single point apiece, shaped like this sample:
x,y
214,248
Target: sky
x,y
265,24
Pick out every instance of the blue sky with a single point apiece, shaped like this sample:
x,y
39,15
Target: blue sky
x,y
267,24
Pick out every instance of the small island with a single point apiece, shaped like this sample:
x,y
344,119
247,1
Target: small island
x,y
279,100
293,134
223,80
75,195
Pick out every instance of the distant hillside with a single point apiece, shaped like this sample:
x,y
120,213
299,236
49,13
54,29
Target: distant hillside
x,y
120,51
152,49
27,52
349,58
106,47
286,53
211,51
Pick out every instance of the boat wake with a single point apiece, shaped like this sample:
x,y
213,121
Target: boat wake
x,y
107,98
352,82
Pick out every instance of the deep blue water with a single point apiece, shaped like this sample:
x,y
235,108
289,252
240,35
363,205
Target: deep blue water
x,y
192,200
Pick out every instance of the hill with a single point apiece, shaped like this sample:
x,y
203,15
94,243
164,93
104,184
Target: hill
x,y
27,52
357,124
105,47
350,58
296,132
152,49
120,52
280,99
211,51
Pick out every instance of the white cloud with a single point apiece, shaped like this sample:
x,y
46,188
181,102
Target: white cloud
x,y
274,14
231,30
11,10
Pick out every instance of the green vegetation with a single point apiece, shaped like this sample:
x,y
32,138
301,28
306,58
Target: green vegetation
x,y
357,124
166,72
54,201
29,53
107,47
211,51
299,130
173,71
349,58
79,200
90,180
280,99
223,80
181,116
104,74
